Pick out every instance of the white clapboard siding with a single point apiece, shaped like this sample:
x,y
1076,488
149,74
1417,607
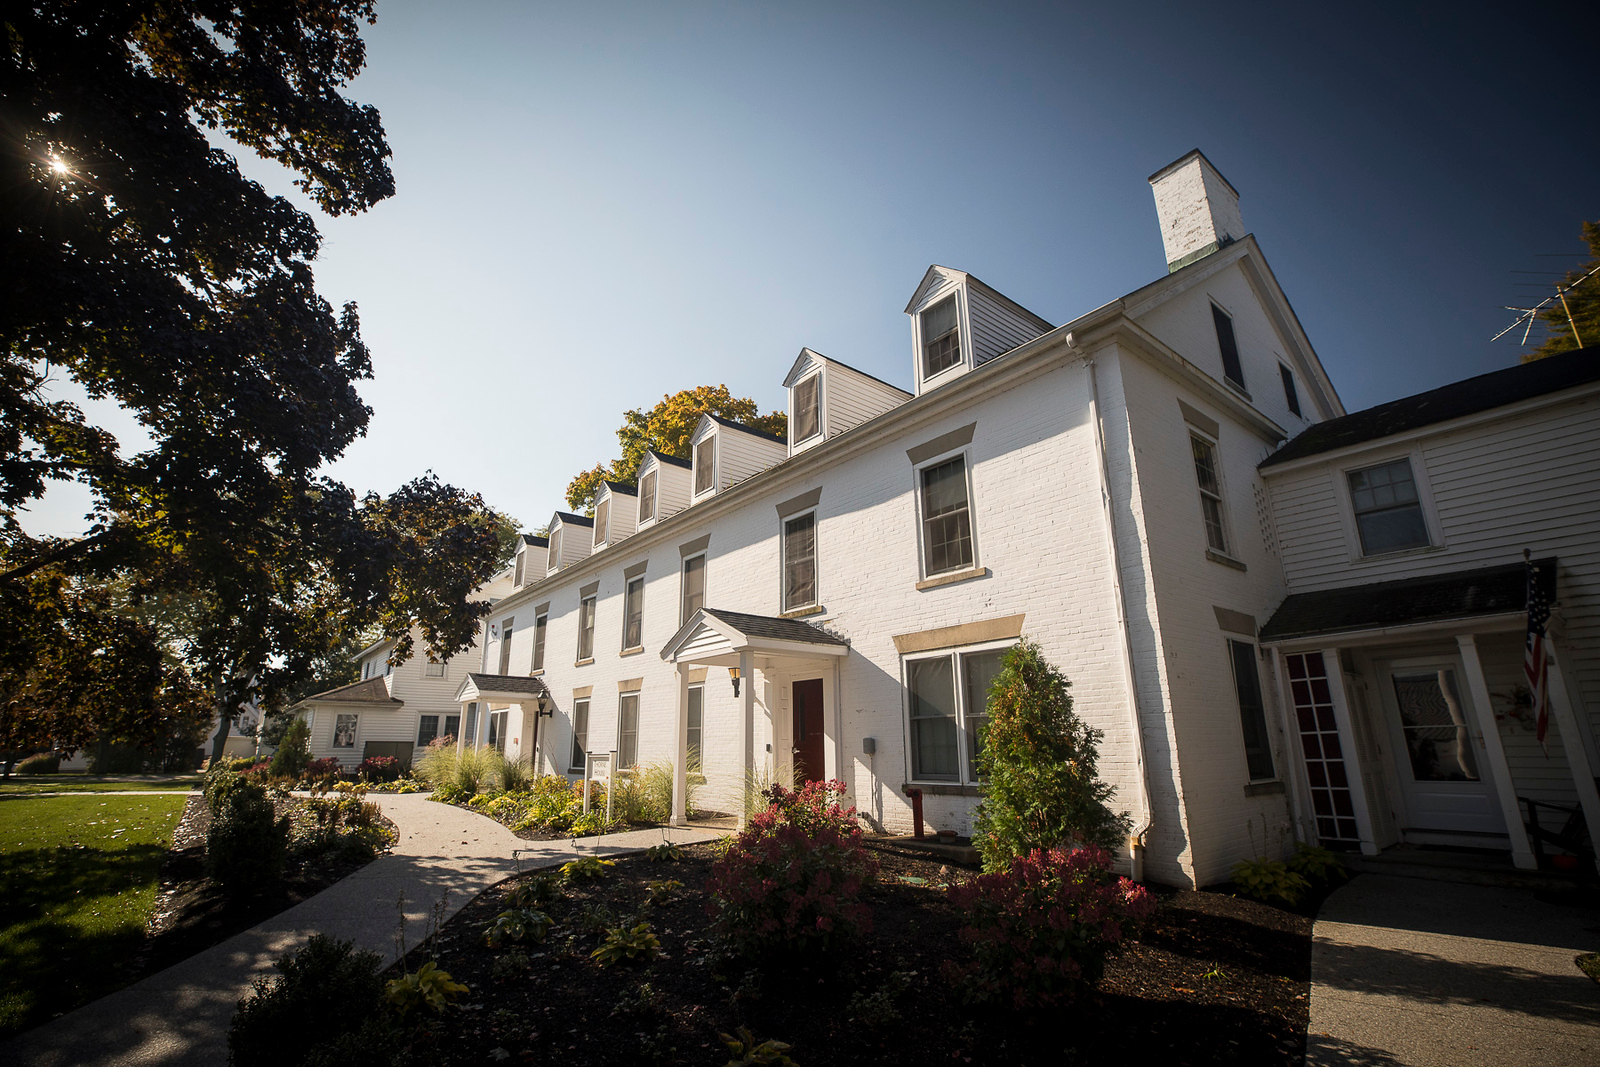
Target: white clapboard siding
x,y
998,325
623,514
741,454
674,485
576,536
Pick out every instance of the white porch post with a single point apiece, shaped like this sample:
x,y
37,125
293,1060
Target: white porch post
x,y
1293,753
1495,753
680,752
1331,665
747,726
1566,710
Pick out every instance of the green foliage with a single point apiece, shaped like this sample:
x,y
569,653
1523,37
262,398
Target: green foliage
x,y
539,891
517,924
623,944
516,775
1316,864
344,820
662,892
512,964
642,1001
1269,880
880,1008
745,1051
321,992
590,825
1040,767
666,852
1583,302
1589,964
294,751
44,763
426,987
587,869
247,842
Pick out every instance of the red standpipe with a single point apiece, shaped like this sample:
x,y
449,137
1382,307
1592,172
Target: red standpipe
x,y
916,808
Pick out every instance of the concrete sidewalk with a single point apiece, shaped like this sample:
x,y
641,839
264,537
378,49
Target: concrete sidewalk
x,y
179,1017
1423,973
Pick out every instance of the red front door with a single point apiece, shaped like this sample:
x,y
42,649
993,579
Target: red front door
x,y
809,764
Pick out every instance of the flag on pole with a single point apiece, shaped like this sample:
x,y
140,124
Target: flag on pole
x,y
1536,656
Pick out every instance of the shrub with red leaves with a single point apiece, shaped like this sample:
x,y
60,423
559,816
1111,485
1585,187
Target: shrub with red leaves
x,y
379,769
792,879
319,769
1043,929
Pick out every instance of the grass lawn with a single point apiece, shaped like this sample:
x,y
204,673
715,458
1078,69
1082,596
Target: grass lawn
x,y
78,878
80,783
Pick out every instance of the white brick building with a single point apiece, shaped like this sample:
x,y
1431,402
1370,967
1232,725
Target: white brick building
x,y
1093,485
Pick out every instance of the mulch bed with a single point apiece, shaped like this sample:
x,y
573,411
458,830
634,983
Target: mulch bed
x,y
1213,979
191,914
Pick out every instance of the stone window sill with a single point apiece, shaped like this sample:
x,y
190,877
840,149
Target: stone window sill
x,y
628,652
584,662
814,609
1227,561
950,579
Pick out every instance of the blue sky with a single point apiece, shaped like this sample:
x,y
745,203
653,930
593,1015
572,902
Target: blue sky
x,y
602,203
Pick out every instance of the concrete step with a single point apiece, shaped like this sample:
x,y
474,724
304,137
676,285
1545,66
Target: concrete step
x,y
1465,867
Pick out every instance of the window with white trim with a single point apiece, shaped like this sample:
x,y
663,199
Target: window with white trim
x,y
705,462
1252,710
427,728
696,717
586,628
1291,395
800,561
1209,480
1388,509
941,337
949,704
602,517
694,587
580,735
433,670
522,559
505,645
627,730
555,550
944,500
633,614
647,497
1229,346
541,625
807,408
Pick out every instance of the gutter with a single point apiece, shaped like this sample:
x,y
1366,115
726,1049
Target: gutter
x,y
1142,827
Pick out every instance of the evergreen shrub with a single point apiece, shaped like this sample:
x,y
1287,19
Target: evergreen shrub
x,y
294,751
247,842
43,763
1038,764
322,992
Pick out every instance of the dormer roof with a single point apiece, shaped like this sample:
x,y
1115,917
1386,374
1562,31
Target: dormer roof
x,y
532,541
741,427
618,489
670,460
938,275
567,518
808,356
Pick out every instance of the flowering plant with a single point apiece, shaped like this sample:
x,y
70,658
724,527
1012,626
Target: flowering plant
x,y
379,769
793,877
326,767
1043,929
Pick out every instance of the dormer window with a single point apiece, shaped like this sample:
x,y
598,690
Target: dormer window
x,y
941,337
602,516
704,460
647,497
807,408
555,549
522,560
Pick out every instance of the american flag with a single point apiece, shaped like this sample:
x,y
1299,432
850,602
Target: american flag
x,y
1536,657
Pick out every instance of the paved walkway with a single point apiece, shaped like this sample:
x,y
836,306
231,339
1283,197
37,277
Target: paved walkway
x,y
1414,972
179,1017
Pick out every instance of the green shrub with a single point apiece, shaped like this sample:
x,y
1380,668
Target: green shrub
x,y
666,852
1316,864
637,944
1039,767
587,869
516,775
294,752
517,924
247,842
437,766
426,987
322,992
43,763
221,783
537,892
1269,880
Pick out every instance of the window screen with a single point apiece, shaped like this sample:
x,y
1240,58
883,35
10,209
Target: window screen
x,y
933,719
697,715
505,646
602,516
628,730
555,550
540,626
522,558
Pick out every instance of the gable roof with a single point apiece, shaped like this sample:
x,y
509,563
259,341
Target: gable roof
x,y
569,519
1408,601
536,541
938,272
1466,397
477,686
618,489
811,353
742,428
673,460
775,628
367,691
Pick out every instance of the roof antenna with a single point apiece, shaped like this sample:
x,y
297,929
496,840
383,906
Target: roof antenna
x,y
1532,313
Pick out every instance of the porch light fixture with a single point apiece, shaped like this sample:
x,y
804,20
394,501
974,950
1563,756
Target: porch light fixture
x,y
733,673
545,708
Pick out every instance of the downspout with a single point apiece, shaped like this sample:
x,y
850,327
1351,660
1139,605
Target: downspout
x,y
1146,819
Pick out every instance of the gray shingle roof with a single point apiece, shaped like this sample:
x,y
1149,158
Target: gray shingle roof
x,y
508,683
1432,598
367,691
776,629
1466,397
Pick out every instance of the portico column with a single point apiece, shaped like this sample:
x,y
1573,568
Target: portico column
x,y
747,727
680,752
1495,754
1565,709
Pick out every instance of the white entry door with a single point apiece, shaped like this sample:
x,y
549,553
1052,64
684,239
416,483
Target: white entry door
x,y
1444,782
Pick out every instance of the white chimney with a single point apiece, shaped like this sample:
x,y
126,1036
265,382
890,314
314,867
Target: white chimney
x,y
1198,209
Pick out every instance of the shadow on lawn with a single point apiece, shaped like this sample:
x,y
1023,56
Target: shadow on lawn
x,y
56,951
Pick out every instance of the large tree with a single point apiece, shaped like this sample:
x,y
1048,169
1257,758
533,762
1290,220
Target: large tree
x,y
666,428
1579,301
140,263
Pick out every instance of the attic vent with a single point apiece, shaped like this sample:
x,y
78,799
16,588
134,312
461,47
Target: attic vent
x,y
941,345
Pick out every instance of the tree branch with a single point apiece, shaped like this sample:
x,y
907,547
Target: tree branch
x,y
57,554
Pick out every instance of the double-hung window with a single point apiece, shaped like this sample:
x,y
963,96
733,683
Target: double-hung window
x,y
555,550
602,518
580,735
627,730
647,497
941,337
946,517
633,615
433,670
697,717
1229,346
586,628
949,702
1210,483
1388,509
807,408
694,586
800,561
516,579
1291,395
541,626
427,729
705,462
1252,712
505,645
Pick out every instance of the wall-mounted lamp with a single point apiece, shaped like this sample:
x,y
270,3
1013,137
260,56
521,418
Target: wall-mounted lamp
x,y
545,707
733,673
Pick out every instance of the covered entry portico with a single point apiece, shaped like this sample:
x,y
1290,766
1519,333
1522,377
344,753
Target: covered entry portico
x,y
788,667
487,702
1408,702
